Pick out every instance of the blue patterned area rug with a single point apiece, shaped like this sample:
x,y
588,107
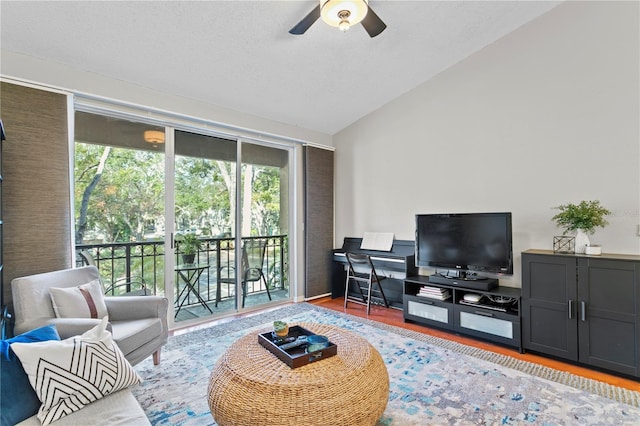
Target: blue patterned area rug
x,y
432,380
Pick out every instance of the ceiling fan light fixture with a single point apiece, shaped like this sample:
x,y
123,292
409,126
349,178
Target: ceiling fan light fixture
x,y
344,20
343,13
153,136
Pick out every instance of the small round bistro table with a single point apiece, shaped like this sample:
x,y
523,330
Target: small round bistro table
x,y
250,386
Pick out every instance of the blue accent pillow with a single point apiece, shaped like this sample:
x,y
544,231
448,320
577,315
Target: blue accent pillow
x,y
18,400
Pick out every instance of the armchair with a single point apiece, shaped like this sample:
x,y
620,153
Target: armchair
x,y
138,323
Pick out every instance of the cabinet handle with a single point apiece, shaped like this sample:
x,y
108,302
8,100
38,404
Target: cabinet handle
x,y
484,314
583,308
570,309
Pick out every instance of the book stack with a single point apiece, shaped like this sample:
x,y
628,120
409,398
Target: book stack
x,y
434,292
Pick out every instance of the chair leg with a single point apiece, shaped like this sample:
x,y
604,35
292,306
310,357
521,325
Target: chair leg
x,y
244,292
369,297
346,290
156,357
266,284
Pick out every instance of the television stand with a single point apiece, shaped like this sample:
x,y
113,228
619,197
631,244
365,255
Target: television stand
x,y
474,283
495,317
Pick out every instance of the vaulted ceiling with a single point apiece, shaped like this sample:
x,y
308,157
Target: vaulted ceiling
x,y
239,54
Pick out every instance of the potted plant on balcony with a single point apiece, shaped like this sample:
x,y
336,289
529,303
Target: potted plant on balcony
x,y
583,218
188,246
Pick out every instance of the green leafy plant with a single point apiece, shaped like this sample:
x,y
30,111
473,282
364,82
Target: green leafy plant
x,y
188,243
588,215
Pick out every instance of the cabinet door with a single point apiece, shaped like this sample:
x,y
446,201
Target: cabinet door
x,y
549,293
609,327
428,312
487,324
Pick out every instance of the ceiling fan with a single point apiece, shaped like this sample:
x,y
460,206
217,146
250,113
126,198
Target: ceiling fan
x,y
342,14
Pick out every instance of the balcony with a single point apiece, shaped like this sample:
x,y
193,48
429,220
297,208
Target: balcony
x,y
136,261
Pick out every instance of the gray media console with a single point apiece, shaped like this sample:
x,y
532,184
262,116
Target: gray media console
x,y
584,309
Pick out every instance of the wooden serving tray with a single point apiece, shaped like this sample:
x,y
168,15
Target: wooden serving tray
x,y
297,356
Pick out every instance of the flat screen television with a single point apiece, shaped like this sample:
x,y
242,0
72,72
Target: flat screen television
x,y
470,243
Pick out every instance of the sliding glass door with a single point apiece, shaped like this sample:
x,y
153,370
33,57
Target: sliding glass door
x,y
265,224
205,199
161,208
229,273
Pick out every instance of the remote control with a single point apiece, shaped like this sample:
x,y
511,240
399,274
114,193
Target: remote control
x,y
298,342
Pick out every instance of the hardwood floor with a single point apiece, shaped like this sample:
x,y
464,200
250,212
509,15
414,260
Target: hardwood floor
x,y
395,317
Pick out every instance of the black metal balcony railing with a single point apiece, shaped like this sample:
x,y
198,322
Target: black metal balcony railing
x,y
144,261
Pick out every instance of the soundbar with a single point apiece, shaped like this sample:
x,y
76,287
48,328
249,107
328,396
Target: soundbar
x,y
480,284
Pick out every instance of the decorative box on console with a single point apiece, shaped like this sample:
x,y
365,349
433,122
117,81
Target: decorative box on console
x,y
562,244
295,356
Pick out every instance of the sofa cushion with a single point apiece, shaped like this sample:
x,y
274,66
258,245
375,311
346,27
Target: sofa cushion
x,y
132,334
18,400
83,301
69,374
117,409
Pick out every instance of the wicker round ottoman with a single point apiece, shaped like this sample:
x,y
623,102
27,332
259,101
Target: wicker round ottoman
x,y
251,386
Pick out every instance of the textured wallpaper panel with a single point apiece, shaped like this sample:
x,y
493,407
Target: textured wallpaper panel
x,y
36,212
318,220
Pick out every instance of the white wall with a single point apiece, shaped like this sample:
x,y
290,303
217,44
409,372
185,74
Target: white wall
x,y
28,68
547,115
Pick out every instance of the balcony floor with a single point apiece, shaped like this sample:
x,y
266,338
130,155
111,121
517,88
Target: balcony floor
x,y
227,306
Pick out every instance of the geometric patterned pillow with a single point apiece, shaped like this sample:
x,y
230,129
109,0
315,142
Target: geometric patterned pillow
x,y
18,400
83,301
71,373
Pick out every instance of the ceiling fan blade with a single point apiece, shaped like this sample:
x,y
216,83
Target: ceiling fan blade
x,y
302,26
373,24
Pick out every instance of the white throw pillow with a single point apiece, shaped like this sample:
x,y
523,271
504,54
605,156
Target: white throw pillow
x,y
71,373
83,301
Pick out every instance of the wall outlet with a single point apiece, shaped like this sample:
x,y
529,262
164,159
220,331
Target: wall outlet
x,y
638,231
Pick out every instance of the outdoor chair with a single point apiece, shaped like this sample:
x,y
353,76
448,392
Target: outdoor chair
x,y
253,252
135,286
138,323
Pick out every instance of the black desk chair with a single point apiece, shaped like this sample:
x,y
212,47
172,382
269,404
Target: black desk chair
x,y
365,277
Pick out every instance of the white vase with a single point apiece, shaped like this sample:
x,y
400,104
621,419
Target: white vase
x,y
582,241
